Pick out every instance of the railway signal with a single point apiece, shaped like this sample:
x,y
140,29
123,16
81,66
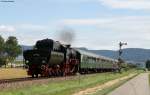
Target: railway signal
x,y
120,61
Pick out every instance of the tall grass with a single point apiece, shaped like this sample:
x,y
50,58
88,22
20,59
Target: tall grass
x,y
149,78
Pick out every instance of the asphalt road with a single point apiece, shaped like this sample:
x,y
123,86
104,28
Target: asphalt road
x,y
136,86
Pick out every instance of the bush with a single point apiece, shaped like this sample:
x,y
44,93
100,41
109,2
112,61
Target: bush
x,y
148,64
2,61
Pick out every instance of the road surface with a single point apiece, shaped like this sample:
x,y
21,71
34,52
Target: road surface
x,y
136,86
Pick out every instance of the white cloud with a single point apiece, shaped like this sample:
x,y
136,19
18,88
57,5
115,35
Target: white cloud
x,y
118,24
128,23
27,34
132,29
7,28
32,27
25,27
84,21
73,1
127,4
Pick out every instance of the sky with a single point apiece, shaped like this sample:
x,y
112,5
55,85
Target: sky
x,y
97,24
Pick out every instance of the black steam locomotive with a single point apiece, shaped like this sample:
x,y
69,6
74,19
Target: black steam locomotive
x,y
51,58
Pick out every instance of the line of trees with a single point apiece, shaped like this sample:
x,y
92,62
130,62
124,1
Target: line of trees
x,y
9,50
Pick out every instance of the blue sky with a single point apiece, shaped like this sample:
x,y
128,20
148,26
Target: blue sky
x,y
97,24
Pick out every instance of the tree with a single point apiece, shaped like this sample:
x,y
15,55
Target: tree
x,y
12,49
2,61
148,64
2,43
2,58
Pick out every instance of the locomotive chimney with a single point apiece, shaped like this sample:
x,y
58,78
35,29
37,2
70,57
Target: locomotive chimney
x,y
68,46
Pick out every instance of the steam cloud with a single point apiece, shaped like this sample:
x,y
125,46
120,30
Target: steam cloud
x,y
67,36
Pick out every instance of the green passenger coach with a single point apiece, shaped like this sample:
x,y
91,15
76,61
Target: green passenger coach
x,y
96,63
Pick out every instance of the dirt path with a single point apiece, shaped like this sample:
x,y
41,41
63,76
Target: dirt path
x,y
137,86
102,86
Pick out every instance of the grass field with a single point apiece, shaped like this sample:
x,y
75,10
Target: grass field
x,y
66,87
8,73
149,78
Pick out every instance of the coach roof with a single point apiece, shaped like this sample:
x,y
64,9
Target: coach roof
x,y
84,52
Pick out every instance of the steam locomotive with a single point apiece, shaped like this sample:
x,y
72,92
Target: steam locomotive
x,y
51,58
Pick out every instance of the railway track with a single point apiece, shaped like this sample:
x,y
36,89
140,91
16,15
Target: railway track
x,y
2,81
28,81
15,80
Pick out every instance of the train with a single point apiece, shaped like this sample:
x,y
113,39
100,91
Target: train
x,y
51,58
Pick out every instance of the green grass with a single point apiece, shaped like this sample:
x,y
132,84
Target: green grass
x,y
113,87
66,87
149,78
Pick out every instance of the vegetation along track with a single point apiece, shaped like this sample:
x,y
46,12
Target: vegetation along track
x,y
27,81
3,81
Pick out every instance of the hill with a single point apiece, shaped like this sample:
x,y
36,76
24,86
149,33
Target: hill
x,y
129,54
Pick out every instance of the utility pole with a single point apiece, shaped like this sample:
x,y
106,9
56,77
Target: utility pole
x,y
120,53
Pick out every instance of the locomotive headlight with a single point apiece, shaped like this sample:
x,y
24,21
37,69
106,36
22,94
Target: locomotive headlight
x,y
43,61
27,61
